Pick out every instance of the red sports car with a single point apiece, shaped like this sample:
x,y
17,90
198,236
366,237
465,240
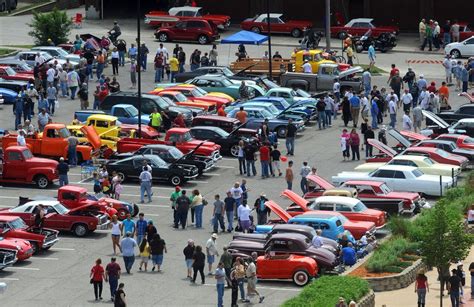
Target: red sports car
x,y
195,93
259,24
23,247
197,30
8,73
298,268
359,26
183,13
461,140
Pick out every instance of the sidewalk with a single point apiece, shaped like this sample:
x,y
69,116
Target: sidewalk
x,y
408,297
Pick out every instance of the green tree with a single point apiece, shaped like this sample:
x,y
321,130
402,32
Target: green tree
x,y
444,239
54,25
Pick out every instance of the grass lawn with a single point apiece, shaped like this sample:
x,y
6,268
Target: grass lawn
x,y
4,51
375,70
20,46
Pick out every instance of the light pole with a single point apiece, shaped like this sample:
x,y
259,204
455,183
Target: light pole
x,y
328,25
139,60
269,41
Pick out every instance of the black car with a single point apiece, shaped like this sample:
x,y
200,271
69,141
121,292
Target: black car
x,y
149,102
15,86
229,141
173,155
440,126
130,169
464,111
215,70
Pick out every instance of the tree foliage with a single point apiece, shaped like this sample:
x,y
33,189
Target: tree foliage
x,y
54,25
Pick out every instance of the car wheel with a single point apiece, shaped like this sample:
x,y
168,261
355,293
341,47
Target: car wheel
x,y
342,35
281,131
135,210
163,37
79,230
234,150
34,247
122,214
42,181
176,180
255,29
202,39
14,4
2,7
359,48
122,176
296,32
301,278
455,53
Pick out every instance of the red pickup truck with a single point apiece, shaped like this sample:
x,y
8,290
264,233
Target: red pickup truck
x,y
181,138
19,166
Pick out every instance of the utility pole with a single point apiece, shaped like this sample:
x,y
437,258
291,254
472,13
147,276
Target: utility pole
x,y
139,60
269,41
328,25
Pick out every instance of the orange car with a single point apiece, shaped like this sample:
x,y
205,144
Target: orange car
x,y
181,100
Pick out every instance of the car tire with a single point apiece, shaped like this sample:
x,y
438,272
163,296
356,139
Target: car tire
x,y
296,32
176,180
342,35
122,213
35,247
359,48
41,181
255,30
301,278
14,4
122,176
234,150
2,7
202,39
455,53
136,210
80,230
163,37
281,131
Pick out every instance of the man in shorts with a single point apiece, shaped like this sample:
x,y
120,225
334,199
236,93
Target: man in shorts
x,y
251,273
417,118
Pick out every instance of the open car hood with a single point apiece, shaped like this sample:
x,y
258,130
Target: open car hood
x,y
295,198
413,135
435,119
400,138
323,183
189,153
350,71
382,147
278,210
91,136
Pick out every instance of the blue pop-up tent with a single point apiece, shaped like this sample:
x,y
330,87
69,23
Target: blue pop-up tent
x,y
246,38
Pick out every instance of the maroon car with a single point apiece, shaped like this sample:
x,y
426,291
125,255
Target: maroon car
x,y
8,73
278,24
228,124
199,30
360,26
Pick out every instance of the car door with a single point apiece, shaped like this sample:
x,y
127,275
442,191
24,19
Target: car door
x,y
15,166
401,183
180,31
194,29
385,175
346,211
467,47
53,219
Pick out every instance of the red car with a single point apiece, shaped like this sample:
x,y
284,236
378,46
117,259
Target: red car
x,y
461,140
359,26
23,247
195,93
466,30
198,30
351,208
179,99
298,268
259,24
19,66
183,13
8,73
12,226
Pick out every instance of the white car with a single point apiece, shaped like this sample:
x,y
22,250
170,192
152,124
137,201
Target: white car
x,y
59,53
462,49
402,179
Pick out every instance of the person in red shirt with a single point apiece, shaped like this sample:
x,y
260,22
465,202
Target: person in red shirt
x,y
265,159
393,72
97,276
113,272
179,121
432,87
221,112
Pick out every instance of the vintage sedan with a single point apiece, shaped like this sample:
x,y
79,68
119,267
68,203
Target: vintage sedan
x,y
401,178
8,73
22,247
15,86
19,66
300,269
359,26
462,126
80,221
464,111
461,140
12,226
130,169
179,13
222,84
229,142
425,164
231,125
195,93
278,24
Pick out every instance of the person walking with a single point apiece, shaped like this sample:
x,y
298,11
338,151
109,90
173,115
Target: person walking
x,y
367,81
211,251
407,100
97,276
372,56
182,207
275,155
243,215
329,109
249,154
218,213
173,197
428,39
305,170
354,141
62,168
188,252
159,65
116,233
265,159
174,68
144,253
392,109
150,230
239,270
289,176
346,111
198,264
181,59
133,73
52,96
119,300
145,184
374,112
227,259
471,266
454,288
213,54
128,225
421,288
251,273
262,211
355,109
321,107
72,143
220,277
290,137
407,123
157,250
455,31
115,61
127,245
197,206
396,83
241,157
230,203
422,31
143,50
112,275
345,146
140,227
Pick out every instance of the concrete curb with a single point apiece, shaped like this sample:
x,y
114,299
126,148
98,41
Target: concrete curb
x,y
14,51
31,9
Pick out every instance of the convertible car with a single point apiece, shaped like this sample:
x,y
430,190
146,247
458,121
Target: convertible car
x,y
359,26
278,24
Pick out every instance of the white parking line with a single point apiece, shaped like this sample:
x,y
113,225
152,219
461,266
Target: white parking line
x,y
211,174
225,166
197,181
228,159
9,278
62,248
20,268
45,258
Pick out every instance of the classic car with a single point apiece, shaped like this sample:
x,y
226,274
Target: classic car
x,y
12,226
214,70
8,96
22,247
374,194
19,66
464,111
80,220
29,57
130,168
256,117
7,257
179,13
195,93
438,155
278,24
179,99
289,95
285,243
15,86
197,30
219,83
300,269
461,49
359,26
352,208
171,154
231,125
8,73
268,106
305,107
315,57
462,126
466,30
401,178
425,164
461,140
59,53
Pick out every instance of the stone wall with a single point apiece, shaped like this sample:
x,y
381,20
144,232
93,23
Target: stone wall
x,y
398,281
368,300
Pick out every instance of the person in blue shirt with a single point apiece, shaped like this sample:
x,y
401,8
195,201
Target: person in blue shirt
x,y
262,211
464,78
355,109
374,111
371,54
349,255
128,225
140,227
128,245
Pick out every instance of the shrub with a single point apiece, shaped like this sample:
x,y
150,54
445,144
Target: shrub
x,y
325,291
399,226
388,255
55,25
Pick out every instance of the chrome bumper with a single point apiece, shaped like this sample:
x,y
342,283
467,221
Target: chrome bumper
x,y
50,242
103,226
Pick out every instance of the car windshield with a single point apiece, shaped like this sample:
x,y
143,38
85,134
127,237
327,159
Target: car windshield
x,y
468,140
360,207
201,91
302,93
266,114
62,52
60,209
186,137
268,107
156,161
64,133
17,224
180,97
162,103
133,112
417,173
27,154
385,189
197,93
25,66
222,132
442,153
9,71
46,56
169,101
428,161
225,81
343,219
175,153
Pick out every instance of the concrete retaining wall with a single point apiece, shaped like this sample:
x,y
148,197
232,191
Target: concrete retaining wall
x,y
368,300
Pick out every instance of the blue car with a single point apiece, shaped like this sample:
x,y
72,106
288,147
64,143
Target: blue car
x,y
8,96
270,108
306,106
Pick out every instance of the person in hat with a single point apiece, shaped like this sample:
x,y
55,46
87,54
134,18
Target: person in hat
x,y
307,69
262,211
112,275
62,168
188,252
211,252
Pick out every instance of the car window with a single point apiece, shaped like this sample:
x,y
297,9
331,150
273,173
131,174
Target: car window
x,y
417,172
338,223
344,208
14,156
181,25
120,112
466,110
188,13
195,24
469,41
273,94
148,106
383,174
399,175
326,207
201,82
366,190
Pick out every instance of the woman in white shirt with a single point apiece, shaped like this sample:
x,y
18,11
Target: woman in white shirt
x,y
116,227
115,61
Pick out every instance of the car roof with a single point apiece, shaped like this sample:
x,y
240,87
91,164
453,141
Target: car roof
x,y
177,9
410,157
452,136
33,51
41,202
338,199
209,77
421,149
316,214
364,182
272,15
206,128
287,235
8,218
74,188
217,118
435,141
466,120
361,20
11,61
46,48
397,168
168,147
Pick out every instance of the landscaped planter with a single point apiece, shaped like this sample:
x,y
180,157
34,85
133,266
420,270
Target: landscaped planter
x,y
368,300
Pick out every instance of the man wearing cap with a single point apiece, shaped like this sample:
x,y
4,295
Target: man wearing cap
x,y
307,69
112,275
128,245
211,252
62,168
261,209
174,196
